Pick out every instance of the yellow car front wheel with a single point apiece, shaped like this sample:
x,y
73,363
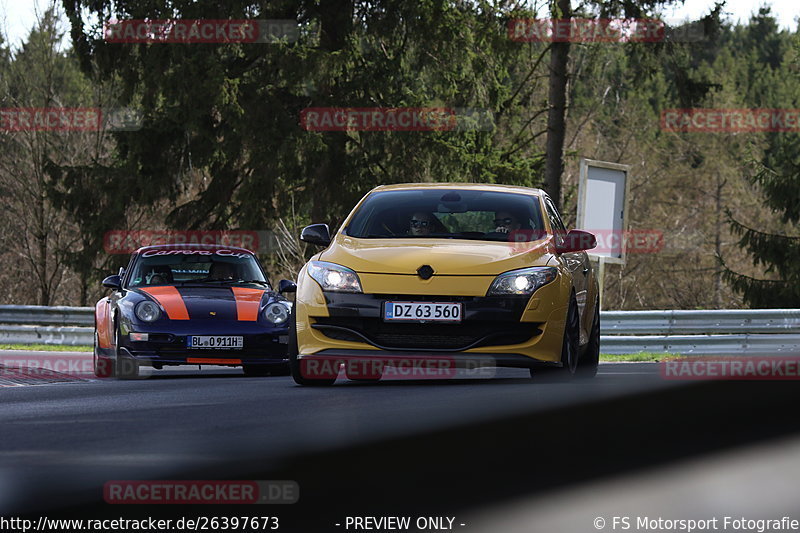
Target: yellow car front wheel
x,y
570,347
570,350
590,359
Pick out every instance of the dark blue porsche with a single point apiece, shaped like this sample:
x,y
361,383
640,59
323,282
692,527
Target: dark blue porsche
x,y
191,305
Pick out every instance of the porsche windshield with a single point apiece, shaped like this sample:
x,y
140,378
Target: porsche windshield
x,y
448,213
176,267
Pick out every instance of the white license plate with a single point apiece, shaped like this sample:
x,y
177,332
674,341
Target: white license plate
x,y
215,341
423,311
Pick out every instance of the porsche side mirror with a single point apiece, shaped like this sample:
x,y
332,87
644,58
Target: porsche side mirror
x,y
287,286
113,282
576,241
316,234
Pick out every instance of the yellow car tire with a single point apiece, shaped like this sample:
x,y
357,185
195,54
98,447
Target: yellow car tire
x,y
570,347
590,359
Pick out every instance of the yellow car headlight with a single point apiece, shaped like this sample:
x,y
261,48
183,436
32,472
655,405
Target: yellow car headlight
x,y
333,277
522,282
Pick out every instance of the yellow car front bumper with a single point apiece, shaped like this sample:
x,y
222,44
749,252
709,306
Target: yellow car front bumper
x,y
511,330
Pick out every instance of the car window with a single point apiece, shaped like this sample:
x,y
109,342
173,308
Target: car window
x,y
555,220
447,213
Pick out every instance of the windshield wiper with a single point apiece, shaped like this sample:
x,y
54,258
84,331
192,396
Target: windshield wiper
x,y
259,281
408,236
231,280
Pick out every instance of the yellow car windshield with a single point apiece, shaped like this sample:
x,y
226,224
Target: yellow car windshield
x,y
450,213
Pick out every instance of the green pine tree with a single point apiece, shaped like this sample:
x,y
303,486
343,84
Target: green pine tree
x,y
777,253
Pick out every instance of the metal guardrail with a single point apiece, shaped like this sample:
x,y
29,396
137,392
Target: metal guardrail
x,y
756,332
56,335
722,345
37,324
711,332
42,315
711,322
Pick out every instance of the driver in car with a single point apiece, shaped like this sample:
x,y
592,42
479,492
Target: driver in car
x,y
221,271
421,223
506,222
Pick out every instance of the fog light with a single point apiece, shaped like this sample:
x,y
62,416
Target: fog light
x,y
142,337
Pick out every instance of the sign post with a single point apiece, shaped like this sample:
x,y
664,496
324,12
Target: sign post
x,y
602,209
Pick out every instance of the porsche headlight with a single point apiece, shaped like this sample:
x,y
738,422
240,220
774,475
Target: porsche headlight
x,y
523,281
148,311
277,312
333,277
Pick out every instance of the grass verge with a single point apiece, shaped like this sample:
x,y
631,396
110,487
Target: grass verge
x,y
634,357
45,347
638,357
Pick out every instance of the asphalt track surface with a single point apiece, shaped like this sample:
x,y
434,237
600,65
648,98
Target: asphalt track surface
x,y
182,419
459,446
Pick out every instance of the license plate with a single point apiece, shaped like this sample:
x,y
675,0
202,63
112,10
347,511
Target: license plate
x,y
215,341
423,311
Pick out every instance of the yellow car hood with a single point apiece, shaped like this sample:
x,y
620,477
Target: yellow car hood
x,y
446,256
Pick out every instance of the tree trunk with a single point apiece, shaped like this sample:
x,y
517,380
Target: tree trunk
x,y
557,99
718,240
84,282
336,24
42,233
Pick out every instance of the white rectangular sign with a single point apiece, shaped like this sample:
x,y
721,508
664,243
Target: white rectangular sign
x,y
602,202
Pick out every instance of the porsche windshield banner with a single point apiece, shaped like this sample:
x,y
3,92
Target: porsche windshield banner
x,y
128,241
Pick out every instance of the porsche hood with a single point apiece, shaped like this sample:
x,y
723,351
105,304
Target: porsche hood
x,y
207,303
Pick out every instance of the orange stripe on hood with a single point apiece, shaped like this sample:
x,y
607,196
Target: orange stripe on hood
x,y
171,300
248,302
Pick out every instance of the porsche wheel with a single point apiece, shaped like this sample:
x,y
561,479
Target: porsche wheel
x,y
255,371
126,366
281,370
103,366
265,370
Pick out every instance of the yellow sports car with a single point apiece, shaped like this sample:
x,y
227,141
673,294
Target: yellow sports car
x,y
440,277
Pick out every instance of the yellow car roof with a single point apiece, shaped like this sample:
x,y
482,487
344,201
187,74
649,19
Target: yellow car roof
x,y
471,186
